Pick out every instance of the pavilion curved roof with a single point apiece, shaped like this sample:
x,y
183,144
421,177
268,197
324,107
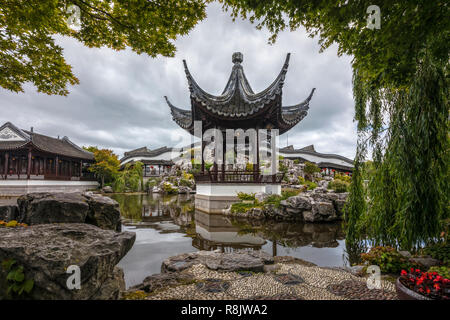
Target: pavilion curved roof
x,y
238,101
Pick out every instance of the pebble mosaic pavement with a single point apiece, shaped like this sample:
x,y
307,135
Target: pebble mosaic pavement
x,y
283,282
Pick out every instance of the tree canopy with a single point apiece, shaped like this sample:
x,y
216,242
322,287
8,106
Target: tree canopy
x,y
106,165
28,52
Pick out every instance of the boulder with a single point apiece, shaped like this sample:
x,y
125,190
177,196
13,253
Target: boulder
x,y
299,202
104,212
45,252
261,196
184,189
324,211
235,261
39,208
425,262
9,212
161,281
107,189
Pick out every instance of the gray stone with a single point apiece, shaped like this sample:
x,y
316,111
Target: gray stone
x,y
42,208
425,262
298,202
9,212
251,261
39,208
161,281
46,251
261,196
104,212
184,189
405,254
107,189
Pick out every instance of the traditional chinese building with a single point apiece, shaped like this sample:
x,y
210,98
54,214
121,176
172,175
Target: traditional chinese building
x,y
156,162
238,107
31,162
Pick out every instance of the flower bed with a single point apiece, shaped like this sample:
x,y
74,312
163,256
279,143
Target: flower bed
x,y
430,285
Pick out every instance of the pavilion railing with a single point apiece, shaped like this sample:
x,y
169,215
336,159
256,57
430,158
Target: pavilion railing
x,y
237,176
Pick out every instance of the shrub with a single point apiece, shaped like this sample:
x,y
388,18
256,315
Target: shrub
x,y
311,185
311,168
387,258
339,186
169,188
342,177
296,161
242,207
246,196
428,284
301,180
443,271
439,251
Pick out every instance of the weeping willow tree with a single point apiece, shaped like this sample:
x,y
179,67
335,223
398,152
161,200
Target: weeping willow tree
x,y
400,88
407,130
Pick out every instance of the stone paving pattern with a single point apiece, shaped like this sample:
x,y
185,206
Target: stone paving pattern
x,y
283,281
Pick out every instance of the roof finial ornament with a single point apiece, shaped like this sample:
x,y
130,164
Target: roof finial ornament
x,y
237,57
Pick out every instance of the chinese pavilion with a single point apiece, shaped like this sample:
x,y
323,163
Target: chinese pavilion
x,y
32,162
238,107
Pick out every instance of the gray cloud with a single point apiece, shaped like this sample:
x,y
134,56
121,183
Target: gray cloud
x,y
119,103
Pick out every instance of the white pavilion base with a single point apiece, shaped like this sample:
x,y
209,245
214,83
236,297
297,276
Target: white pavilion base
x,y
216,197
20,187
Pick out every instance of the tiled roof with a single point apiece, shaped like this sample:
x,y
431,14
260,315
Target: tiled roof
x,y
238,101
63,147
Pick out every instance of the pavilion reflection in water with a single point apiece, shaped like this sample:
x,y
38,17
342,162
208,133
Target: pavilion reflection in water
x,y
169,214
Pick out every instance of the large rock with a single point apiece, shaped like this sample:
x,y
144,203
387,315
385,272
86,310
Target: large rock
x,y
41,208
323,211
104,212
46,251
251,261
9,212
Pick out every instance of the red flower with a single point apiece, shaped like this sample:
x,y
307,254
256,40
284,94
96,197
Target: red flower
x,y
404,273
437,287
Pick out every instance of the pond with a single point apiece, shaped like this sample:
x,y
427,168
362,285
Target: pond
x,y
170,225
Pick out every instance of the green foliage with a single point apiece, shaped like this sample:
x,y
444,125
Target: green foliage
x,y
275,199
169,188
16,280
443,271
106,165
342,177
242,207
339,186
301,180
387,258
246,196
249,166
130,178
28,52
296,161
439,251
311,185
311,168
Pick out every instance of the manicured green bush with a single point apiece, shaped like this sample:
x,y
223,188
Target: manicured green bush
x,y
387,258
169,188
342,177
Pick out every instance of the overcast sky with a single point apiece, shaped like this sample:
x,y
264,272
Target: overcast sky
x,y
119,103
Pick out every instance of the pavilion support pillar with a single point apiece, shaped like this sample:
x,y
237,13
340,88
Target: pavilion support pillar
x,y
223,157
29,165
70,168
6,164
81,168
203,160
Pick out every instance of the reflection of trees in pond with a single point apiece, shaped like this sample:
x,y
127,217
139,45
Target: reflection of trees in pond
x,y
354,251
293,235
151,207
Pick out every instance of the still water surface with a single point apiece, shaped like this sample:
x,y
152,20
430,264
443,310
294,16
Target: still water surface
x,y
170,225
